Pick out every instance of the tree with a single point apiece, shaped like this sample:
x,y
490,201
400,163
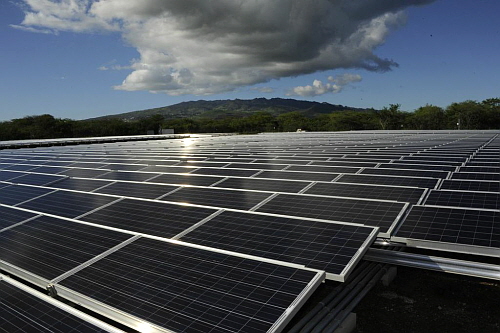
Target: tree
x,y
428,117
467,115
390,118
291,121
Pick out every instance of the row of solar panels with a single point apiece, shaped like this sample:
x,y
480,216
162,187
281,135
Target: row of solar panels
x,y
277,234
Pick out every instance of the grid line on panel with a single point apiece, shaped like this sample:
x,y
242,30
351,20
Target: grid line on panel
x,y
464,199
148,217
24,312
16,194
11,216
67,203
470,185
381,214
320,245
215,197
403,194
185,289
47,246
452,225
388,180
298,175
138,190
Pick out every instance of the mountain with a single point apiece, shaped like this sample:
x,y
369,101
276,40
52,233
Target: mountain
x,y
238,107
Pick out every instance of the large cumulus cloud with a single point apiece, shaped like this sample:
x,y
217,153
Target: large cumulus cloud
x,y
211,46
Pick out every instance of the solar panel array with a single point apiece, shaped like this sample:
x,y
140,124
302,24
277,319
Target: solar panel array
x,y
233,233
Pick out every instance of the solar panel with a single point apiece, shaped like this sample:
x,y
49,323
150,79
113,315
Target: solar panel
x,y
264,184
261,166
434,158
91,165
404,172
217,197
470,185
137,190
127,167
327,246
297,175
169,169
84,173
452,229
480,169
78,184
476,176
225,172
148,217
203,164
17,167
37,179
125,175
49,169
15,194
67,203
330,169
464,199
10,216
280,161
8,175
24,311
48,246
185,289
374,213
186,180
339,162
403,194
424,162
389,180
416,166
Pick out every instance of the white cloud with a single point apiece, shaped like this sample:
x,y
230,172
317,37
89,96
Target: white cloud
x,y
211,46
319,88
30,29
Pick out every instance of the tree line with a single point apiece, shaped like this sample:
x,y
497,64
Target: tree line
x,y
463,115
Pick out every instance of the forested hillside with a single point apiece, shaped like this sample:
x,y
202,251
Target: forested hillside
x,y
461,115
234,108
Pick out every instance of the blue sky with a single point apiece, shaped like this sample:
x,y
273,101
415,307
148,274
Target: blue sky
x,y
447,51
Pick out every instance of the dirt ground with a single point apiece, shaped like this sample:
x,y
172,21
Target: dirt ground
x,y
421,301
